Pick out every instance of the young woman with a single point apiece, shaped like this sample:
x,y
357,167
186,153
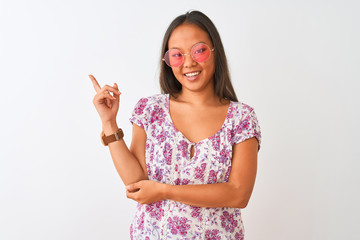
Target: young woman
x,y
192,161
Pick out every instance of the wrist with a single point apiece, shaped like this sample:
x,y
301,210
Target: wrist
x,y
109,127
166,189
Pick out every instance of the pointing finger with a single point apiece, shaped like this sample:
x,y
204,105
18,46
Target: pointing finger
x,y
95,83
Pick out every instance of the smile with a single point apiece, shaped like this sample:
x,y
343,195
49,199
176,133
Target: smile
x,y
193,74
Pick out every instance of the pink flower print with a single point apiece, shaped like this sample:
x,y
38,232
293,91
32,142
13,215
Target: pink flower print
x,y
148,168
152,154
224,155
195,213
239,236
229,135
215,140
178,181
227,174
230,113
140,222
228,222
183,147
162,136
153,131
158,174
131,232
212,235
196,155
245,123
167,152
139,206
212,177
139,109
178,225
247,107
147,238
199,171
157,115
155,210
185,181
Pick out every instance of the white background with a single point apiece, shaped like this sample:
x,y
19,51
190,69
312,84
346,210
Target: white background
x,y
296,62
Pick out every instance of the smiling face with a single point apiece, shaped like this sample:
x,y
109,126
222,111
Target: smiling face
x,y
192,75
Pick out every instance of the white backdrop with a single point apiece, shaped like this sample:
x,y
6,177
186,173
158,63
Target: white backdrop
x,y
296,62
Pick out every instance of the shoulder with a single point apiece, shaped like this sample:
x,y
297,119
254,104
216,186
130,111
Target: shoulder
x,y
244,123
148,103
155,99
149,110
240,110
159,100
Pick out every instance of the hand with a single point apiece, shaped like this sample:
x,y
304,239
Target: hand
x,y
146,191
106,105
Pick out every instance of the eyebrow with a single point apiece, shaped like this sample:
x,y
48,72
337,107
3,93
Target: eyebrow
x,y
191,46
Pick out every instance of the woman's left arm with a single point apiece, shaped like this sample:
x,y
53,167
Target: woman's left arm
x,y
234,193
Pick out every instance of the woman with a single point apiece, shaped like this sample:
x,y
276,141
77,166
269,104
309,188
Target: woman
x,y
192,161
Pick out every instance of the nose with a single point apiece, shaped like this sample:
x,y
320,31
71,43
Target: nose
x,y
189,61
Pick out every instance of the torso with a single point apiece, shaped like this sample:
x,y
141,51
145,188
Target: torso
x,y
168,161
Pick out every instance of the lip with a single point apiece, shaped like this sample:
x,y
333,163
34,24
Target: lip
x,y
192,78
192,72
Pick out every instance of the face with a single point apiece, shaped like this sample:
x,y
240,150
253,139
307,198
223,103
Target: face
x,y
192,75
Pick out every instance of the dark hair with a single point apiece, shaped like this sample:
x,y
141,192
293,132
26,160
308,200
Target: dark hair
x,y
222,82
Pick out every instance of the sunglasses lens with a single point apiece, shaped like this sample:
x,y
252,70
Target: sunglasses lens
x,y
200,52
173,58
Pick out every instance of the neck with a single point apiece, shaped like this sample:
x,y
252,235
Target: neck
x,y
204,97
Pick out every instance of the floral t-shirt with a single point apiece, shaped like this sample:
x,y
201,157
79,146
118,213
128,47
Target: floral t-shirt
x,y
168,161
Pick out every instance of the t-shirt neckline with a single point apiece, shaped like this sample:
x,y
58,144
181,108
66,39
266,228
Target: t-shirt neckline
x,y
167,106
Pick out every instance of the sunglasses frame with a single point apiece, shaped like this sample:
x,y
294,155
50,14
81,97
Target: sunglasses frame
x,y
190,53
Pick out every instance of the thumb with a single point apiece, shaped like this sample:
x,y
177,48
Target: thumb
x,y
133,187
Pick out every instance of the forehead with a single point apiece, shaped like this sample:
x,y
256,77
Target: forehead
x,y
186,35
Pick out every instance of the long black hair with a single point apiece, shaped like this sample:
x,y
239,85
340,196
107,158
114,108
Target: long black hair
x,y
222,82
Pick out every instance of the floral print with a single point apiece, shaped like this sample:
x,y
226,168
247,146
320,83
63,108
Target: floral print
x,y
178,225
155,210
168,160
212,235
228,222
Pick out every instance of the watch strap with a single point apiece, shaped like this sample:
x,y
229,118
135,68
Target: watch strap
x,y
118,135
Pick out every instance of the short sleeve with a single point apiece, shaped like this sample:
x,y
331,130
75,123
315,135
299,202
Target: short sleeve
x,y
140,113
246,128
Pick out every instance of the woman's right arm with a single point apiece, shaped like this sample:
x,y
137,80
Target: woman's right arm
x,y
129,163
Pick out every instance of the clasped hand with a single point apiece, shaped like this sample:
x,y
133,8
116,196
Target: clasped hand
x,y
146,191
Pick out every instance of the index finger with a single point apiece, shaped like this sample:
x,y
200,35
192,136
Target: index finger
x,y
95,83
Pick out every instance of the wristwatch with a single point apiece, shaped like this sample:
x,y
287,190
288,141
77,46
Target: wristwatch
x,y
118,135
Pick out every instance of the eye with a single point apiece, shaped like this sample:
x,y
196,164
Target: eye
x,y
200,50
176,55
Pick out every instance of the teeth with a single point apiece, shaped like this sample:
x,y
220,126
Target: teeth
x,y
192,74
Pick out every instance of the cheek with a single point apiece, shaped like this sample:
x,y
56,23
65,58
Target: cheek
x,y
210,67
177,72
